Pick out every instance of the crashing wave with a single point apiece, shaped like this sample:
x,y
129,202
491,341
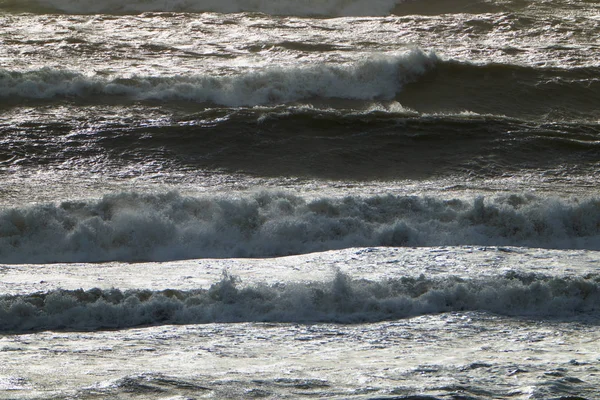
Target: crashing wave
x,y
158,227
377,77
342,299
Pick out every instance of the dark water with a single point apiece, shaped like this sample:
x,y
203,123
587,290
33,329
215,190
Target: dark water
x,y
308,142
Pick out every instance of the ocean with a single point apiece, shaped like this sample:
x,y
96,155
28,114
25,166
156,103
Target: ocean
x,y
341,199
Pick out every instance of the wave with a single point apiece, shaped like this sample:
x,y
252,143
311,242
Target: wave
x,y
503,89
158,227
383,141
342,299
377,77
415,78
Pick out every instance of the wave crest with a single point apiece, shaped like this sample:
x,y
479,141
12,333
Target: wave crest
x,y
158,227
377,77
342,299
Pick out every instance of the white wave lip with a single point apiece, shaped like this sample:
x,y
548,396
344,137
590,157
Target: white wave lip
x,y
312,8
342,299
376,77
158,227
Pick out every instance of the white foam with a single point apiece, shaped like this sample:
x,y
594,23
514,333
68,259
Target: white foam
x,y
134,227
323,8
376,77
342,299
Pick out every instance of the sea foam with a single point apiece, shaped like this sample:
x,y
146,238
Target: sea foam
x,y
158,227
341,299
375,77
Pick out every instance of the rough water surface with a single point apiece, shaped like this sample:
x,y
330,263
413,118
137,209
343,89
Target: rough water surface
x,y
319,199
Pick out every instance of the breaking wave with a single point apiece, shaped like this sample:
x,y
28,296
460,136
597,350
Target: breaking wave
x,y
158,227
377,77
342,299
417,79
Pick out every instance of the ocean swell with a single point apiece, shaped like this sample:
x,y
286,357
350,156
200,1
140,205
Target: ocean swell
x,y
417,79
158,227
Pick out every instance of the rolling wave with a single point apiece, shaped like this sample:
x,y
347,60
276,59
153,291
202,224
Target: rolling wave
x,y
383,141
505,89
342,299
378,77
417,79
158,227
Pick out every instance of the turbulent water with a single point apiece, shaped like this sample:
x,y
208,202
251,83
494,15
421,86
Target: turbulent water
x,y
314,198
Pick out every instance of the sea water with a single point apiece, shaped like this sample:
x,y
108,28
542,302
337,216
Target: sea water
x,y
283,199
